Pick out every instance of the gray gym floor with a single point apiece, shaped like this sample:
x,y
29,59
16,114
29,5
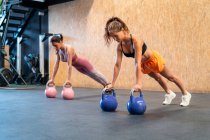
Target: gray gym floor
x,y
29,115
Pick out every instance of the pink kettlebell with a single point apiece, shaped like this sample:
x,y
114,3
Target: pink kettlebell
x,y
50,90
67,92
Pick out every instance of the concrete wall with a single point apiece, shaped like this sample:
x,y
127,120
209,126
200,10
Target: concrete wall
x,y
178,29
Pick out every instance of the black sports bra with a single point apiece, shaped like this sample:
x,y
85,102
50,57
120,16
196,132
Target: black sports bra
x,y
144,48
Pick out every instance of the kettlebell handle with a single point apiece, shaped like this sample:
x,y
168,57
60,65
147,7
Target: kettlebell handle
x,y
132,91
105,92
67,84
51,84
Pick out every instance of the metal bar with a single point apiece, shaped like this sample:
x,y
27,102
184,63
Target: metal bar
x,y
19,55
2,19
4,78
16,71
41,55
13,2
5,31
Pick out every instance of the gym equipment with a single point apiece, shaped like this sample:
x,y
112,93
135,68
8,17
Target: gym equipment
x,y
136,105
16,77
67,92
50,90
6,77
108,101
33,63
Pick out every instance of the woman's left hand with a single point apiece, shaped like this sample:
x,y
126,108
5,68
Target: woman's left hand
x,y
67,82
137,88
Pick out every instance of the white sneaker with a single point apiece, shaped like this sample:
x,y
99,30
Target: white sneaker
x,y
186,99
169,98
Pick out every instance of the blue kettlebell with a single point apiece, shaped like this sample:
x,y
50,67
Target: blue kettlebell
x,y
136,105
108,101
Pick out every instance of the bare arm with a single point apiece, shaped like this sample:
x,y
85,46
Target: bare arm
x,y
69,69
56,66
138,56
117,65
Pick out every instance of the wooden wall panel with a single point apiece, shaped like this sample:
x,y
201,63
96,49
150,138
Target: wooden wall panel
x,y
178,29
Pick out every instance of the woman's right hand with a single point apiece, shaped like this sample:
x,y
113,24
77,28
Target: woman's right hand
x,y
67,83
109,87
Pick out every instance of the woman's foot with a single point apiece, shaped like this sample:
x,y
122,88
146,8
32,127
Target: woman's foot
x,y
169,97
186,99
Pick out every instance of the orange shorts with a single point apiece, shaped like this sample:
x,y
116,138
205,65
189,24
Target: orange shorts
x,y
154,64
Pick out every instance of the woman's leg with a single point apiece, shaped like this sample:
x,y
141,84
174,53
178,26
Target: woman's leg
x,y
170,94
171,77
97,76
85,67
160,80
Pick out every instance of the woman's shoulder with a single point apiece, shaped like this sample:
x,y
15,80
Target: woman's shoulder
x,y
137,39
119,47
70,48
